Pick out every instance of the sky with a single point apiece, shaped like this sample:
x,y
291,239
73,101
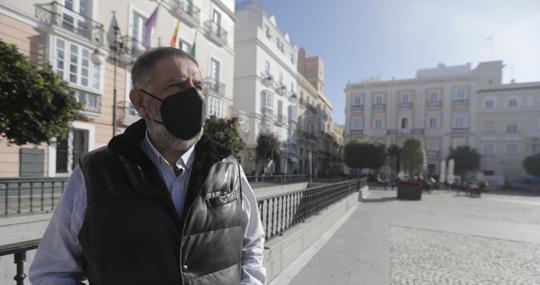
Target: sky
x,y
361,39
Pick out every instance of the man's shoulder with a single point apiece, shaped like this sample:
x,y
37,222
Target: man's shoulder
x,y
98,156
212,147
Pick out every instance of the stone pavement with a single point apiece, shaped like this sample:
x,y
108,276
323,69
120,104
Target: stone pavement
x,y
443,239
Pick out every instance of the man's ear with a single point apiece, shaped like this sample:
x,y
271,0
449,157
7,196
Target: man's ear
x,y
137,99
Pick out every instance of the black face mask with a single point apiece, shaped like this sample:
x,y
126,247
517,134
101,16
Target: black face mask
x,y
182,113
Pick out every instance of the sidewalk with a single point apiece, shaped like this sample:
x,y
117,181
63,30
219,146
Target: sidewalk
x,y
358,253
444,239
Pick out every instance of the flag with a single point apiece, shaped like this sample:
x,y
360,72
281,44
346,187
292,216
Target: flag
x,y
148,25
194,46
174,41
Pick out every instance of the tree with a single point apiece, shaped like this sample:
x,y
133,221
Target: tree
x,y
267,149
225,132
35,104
532,164
394,152
465,159
360,154
412,157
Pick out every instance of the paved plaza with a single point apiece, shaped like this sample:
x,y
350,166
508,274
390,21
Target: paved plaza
x,y
443,239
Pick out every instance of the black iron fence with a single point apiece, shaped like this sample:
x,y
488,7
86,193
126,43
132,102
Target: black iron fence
x,y
19,254
280,179
30,195
278,213
281,212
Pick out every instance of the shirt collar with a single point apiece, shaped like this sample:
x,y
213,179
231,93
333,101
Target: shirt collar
x,y
184,162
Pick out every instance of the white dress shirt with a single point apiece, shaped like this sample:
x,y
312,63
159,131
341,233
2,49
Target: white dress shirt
x,y
59,256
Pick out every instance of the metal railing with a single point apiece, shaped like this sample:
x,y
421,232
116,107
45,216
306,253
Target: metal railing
x,y
283,211
280,179
214,88
55,14
30,195
186,11
216,33
19,252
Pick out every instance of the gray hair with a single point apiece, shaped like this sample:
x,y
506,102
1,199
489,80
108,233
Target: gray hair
x,y
143,66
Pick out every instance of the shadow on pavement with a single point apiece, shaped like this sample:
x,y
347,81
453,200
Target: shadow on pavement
x,y
379,200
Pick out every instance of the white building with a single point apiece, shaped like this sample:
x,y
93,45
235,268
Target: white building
x,y
265,85
438,106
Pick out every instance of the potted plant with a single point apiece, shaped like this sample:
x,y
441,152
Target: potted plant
x,y
413,160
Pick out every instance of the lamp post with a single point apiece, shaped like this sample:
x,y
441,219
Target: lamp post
x,y
117,48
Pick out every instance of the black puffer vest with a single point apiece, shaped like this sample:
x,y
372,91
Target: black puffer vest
x,y
132,233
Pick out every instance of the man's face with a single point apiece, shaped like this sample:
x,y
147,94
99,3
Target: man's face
x,y
169,76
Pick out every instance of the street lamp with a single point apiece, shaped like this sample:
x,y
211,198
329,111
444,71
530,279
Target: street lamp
x,y
118,49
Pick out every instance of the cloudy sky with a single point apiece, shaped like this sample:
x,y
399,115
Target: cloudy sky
x,y
359,39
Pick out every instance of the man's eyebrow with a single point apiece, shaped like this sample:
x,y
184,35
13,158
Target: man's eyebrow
x,y
175,82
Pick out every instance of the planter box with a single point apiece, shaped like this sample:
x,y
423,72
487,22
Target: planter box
x,y
409,192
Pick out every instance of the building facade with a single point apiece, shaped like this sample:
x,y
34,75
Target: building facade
x,y
438,106
67,34
265,86
508,128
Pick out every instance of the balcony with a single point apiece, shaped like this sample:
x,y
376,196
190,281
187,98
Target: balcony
x,y
460,102
281,120
405,105
281,89
434,104
456,130
56,15
357,108
356,132
216,33
267,112
391,132
311,108
417,131
214,88
133,47
292,97
267,79
185,11
379,107
433,153
404,131
91,102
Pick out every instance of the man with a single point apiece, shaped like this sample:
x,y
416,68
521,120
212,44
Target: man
x,y
161,203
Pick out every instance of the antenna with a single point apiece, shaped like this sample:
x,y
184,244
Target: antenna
x,y
490,39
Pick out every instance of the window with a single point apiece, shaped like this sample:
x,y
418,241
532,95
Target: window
x,y
511,149
357,123
214,70
378,100
489,127
433,96
511,129
433,123
405,98
280,108
489,103
489,149
78,140
404,123
512,103
72,63
138,30
378,124
185,46
281,77
460,120
432,145
215,107
461,93
267,66
459,142
267,100
267,30
358,99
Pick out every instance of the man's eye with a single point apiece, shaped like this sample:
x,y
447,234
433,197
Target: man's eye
x,y
199,86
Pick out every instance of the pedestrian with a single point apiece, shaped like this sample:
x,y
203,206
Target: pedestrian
x,y
161,203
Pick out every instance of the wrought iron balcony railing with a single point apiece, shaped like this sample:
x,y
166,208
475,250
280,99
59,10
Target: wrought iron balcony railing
x,y
417,131
216,33
434,104
91,102
186,11
379,107
56,15
281,89
267,79
357,108
356,132
460,102
405,105
214,88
